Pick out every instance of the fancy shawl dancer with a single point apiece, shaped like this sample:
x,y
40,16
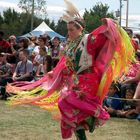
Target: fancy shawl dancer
x,y
76,87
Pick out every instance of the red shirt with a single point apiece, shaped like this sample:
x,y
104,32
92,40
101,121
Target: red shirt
x,y
4,46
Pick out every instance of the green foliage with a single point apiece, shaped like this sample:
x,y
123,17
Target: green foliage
x,y
61,27
52,25
1,19
93,16
10,22
18,24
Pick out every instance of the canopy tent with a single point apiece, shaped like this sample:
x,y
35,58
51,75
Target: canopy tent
x,y
43,28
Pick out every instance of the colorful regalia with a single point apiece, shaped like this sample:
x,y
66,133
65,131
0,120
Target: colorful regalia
x,y
81,79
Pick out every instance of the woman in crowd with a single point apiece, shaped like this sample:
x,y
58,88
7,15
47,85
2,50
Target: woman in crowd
x,y
42,44
45,64
57,50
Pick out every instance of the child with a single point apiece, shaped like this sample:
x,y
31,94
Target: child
x,y
129,109
112,105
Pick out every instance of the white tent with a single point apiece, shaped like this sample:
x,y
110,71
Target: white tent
x,y
43,28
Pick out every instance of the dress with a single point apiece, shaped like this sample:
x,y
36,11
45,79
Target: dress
x,y
81,78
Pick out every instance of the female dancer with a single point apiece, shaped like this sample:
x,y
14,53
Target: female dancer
x,y
76,87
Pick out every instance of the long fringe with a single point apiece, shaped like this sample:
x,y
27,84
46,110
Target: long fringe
x,y
120,62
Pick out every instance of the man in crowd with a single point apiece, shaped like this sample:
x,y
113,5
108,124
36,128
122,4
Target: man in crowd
x,y
5,74
24,68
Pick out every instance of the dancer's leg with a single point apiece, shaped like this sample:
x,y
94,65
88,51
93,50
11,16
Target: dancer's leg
x,y
80,134
137,96
91,123
88,124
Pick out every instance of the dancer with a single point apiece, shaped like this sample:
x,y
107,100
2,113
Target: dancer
x,y
76,87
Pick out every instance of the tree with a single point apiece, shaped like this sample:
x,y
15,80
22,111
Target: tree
x,y
18,24
47,21
93,16
1,19
39,6
52,25
33,7
10,16
61,27
11,22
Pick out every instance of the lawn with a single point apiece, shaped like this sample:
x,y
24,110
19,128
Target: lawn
x,y
32,123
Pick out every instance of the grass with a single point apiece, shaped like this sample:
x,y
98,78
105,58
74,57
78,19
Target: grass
x,y
32,123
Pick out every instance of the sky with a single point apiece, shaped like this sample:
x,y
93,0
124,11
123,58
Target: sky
x,y
55,8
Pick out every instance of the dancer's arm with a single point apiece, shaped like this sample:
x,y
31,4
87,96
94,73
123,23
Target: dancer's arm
x,y
134,79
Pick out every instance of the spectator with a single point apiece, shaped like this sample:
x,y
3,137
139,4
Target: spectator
x,y
31,46
23,44
4,45
129,108
112,105
133,41
24,69
5,67
49,45
42,44
47,63
12,57
57,50
5,74
39,59
45,67
34,39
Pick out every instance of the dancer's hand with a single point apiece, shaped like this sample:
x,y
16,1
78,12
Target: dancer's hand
x,y
50,74
14,78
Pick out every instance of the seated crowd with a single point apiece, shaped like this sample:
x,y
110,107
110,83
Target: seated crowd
x,y
27,59
30,58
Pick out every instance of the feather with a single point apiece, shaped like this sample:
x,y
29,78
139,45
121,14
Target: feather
x,y
71,8
72,12
67,18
